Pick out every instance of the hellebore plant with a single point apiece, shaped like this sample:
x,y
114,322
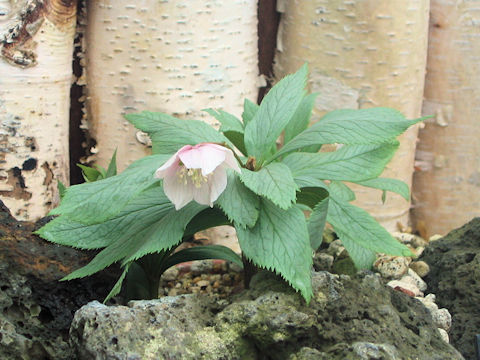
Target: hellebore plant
x,y
199,177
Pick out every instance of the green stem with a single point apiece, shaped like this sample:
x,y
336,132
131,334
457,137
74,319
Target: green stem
x,y
249,269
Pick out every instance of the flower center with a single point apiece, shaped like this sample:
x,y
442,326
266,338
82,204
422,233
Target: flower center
x,y
195,176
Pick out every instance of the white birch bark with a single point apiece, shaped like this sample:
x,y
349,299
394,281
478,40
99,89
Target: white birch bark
x,y
172,56
362,54
447,183
35,77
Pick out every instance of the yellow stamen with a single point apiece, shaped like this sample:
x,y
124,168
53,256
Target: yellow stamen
x,y
195,176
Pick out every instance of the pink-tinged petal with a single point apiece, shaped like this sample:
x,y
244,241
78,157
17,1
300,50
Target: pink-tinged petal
x,y
203,156
231,161
202,194
168,171
179,193
163,170
218,183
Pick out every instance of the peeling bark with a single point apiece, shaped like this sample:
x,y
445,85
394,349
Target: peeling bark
x,y
361,54
176,57
36,39
447,180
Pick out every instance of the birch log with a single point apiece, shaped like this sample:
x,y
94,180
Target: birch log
x,y
173,56
35,77
447,183
362,54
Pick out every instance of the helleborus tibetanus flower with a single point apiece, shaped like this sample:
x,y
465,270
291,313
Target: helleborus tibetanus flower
x,y
197,173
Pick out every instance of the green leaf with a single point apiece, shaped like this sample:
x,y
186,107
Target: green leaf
x,y
118,285
61,189
231,127
274,181
90,174
316,223
203,253
279,242
301,118
169,134
362,229
112,166
228,121
362,257
364,126
205,219
274,113
95,202
316,200
349,163
387,184
341,191
144,233
311,196
133,218
249,111
238,202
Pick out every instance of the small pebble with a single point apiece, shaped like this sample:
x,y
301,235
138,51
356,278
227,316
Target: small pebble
x,y
412,289
420,267
170,274
444,335
442,318
203,283
413,277
201,267
172,292
428,303
392,267
419,251
410,239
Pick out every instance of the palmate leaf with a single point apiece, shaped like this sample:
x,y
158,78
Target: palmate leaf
x,y
364,126
169,134
238,202
157,229
274,181
94,202
349,163
274,113
360,228
279,242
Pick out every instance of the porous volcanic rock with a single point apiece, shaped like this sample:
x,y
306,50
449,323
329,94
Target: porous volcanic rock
x,y
36,309
454,278
348,318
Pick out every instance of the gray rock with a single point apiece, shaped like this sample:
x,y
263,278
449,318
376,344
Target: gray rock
x,y
455,279
322,261
347,318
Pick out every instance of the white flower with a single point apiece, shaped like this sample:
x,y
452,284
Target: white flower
x,y
197,173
